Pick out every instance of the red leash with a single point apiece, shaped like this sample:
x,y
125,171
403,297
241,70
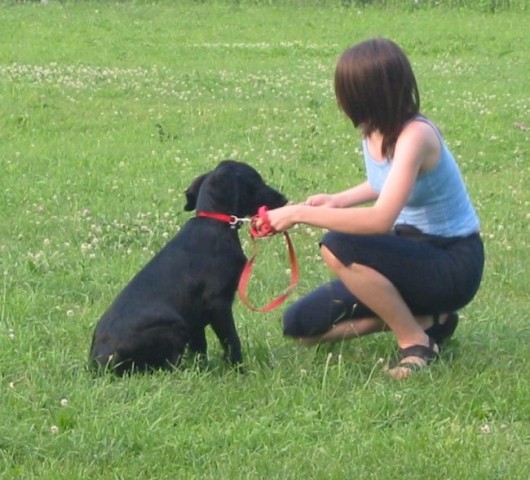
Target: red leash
x,y
265,229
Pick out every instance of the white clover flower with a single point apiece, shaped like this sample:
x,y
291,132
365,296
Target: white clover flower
x,y
485,429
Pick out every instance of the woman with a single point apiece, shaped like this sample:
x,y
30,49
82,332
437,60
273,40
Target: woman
x,y
409,255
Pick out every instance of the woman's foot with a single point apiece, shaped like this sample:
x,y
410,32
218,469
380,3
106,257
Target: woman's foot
x,y
442,332
412,359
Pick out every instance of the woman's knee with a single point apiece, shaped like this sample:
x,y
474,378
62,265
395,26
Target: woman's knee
x,y
307,317
332,262
316,313
336,265
293,325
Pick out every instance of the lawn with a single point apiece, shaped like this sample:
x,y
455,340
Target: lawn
x,y
108,110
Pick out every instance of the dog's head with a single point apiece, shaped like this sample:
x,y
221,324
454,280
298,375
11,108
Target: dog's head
x,y
234,188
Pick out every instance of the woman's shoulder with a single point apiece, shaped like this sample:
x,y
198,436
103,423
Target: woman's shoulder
x,y
421,138
421,126
420,131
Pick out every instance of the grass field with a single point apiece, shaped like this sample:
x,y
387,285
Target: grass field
x,y
109,109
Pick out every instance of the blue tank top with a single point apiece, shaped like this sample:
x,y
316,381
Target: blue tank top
x,y
439,203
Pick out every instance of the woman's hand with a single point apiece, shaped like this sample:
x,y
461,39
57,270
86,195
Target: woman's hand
x,y
321,200
283,218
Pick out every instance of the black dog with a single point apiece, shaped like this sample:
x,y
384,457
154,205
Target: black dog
x,y
190,283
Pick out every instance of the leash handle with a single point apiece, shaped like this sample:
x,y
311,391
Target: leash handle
x,y
247,270
264,229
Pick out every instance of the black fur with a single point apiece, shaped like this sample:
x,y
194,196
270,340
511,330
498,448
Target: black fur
x,y
189,284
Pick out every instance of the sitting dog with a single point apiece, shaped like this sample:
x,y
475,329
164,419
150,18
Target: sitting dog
x,y
190,283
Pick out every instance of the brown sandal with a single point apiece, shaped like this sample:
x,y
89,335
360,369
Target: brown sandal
x,y
403,366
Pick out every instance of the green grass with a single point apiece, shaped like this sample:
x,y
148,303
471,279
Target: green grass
x,y
109,109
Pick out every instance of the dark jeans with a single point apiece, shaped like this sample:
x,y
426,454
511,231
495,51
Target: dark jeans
x,y
433,275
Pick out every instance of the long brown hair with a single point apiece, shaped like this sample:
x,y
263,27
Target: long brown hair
x,y
376,88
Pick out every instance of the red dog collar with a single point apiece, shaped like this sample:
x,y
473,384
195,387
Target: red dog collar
x,y
232,220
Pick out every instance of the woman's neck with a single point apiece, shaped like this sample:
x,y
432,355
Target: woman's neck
x,y
375,142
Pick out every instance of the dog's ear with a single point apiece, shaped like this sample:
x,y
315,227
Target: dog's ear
x,y
192,192
221,190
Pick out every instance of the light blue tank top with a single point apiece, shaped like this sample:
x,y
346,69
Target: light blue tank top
x,y
439,203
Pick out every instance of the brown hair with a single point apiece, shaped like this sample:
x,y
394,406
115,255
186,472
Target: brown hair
x,y
376,88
